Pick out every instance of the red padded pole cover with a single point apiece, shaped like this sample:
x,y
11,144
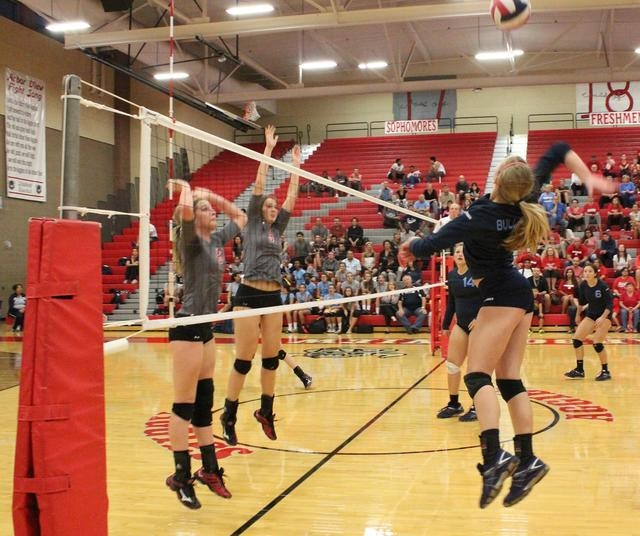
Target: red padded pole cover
x,y
60,485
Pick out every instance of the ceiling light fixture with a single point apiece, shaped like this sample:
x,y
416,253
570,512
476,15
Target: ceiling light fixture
x,y
178,75
637,50
499,55
251,9
318,65
373,65
65,27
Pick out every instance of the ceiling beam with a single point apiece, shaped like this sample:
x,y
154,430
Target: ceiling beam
x,y
325,20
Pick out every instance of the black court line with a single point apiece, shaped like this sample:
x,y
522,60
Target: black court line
x,y
267,508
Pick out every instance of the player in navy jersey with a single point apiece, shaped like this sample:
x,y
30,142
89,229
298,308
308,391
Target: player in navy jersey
x,y
492,228
201,255
596,301
463,301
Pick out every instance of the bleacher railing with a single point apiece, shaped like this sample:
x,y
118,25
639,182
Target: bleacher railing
x,y
284,133
544,121
356,128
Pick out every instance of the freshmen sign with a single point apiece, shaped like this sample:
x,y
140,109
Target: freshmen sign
x,y
25,137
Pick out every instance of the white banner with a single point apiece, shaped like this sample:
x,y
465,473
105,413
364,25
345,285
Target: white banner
x,y
25,137
611,119
415,126
606,98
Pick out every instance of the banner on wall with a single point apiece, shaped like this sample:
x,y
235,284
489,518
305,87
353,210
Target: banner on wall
x,y
609,103
425,105
416,126
25,136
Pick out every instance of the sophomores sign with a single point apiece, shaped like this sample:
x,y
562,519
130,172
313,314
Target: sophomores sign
x,y
416,126
25,137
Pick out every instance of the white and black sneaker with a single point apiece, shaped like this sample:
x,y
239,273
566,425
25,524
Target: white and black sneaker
x,y
185,492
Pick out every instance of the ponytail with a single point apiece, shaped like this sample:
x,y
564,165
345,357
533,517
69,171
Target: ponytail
x,y
530,230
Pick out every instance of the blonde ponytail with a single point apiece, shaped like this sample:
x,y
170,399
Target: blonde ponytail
x,y
530,230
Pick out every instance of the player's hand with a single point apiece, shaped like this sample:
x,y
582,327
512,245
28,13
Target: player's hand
x,y
177,185
270,137
405,256
296,154
600,184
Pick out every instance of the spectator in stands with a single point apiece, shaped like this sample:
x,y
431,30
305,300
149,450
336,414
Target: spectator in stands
x,y
132,264
391,219
396,240
237,266
387,306
592,214
591,243
153,233
333,313
366,288
630,309
577,250
412,178
437,170
615,215
238,246
606,198
355,235
552,266
609,168
352,264
388,259
298,272
355,180
431,196
321,188
337,229
607,250
350,282
323,286
594,164
385,195
329,264
634,221
350,311
525,267
445,198
454,212
475,191
461,187
341,179
287,298
412,304
534,259
17,306
422,206
576,267
401,194
380,283
302,296
627,191
368,258
624,166
541,296
549,201
622,260
575,216
620,282
413,269
319,228
340,274
318,245
576,186
396,172
301,248
567,290
341,251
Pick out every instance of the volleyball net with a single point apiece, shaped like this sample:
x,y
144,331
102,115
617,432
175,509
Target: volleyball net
x,y
168,148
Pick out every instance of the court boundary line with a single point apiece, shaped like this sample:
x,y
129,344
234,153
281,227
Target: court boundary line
x,y
285,493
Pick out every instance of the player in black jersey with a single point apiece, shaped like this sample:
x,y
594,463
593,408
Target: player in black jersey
x,y
492,228
596,301
464,301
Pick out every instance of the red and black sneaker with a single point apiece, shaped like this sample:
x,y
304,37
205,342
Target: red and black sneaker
x,y
267,424
214,481
185,492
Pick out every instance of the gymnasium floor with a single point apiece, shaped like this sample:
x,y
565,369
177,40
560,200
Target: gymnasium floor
x,y
361,453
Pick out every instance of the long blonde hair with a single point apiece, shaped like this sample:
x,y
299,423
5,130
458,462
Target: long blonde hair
x,y
513,183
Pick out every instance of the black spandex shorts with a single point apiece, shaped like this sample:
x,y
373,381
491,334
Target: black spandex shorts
x,y
255,298
464,327
509,289
192,333
594,316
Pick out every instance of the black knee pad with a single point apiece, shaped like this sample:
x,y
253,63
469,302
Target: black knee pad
x,y
598,347
576,343
282,354
510,388
204,404
183,410
242,366
270,363
476,381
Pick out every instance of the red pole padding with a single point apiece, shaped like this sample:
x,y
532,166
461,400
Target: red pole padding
x,y
60,473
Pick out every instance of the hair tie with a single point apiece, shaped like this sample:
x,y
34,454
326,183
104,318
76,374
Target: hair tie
x,y
515,163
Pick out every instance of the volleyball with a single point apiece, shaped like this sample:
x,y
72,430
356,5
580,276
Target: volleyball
x,y
510,14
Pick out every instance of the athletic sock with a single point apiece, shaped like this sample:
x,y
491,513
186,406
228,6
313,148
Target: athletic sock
x,y
182,461
266,405
209,460
230,409
580,365
605,367
454,400
524,448
298,371
490,445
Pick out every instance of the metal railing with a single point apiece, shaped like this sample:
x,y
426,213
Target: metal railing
x,y
357,126
284,132
534,120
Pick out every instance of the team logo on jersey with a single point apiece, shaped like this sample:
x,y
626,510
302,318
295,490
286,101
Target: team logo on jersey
x,y
157,428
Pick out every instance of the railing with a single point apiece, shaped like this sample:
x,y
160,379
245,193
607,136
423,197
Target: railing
x,y
545,119
358,126
284,132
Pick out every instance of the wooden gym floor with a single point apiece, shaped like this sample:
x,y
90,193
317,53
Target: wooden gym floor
x,y
361,453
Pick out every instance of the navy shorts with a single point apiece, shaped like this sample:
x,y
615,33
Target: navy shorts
x,y
509,289
192,333
594,316
255,298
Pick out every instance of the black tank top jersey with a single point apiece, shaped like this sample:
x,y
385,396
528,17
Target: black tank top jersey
x,y
596,298
463,300
484,227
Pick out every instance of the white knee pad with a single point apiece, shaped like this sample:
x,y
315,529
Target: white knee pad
x,y
452,368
